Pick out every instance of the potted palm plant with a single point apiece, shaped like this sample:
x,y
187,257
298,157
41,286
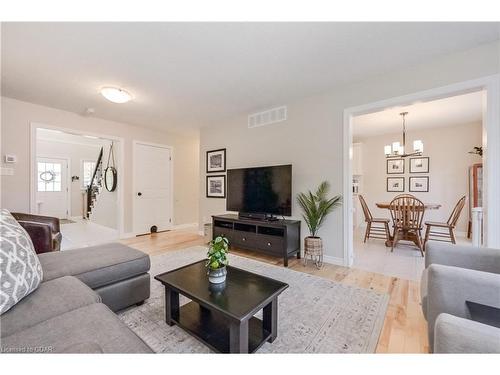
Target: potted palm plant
x,y
316,206
217,259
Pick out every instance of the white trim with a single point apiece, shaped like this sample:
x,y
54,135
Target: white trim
x,y
67,159
136,142
72,142
121,171
491,133
333,260
184,226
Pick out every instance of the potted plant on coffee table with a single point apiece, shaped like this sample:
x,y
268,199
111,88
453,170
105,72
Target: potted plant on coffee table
x,y
316,206
217,259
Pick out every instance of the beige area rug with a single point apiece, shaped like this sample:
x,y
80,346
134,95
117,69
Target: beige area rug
x,y
315,315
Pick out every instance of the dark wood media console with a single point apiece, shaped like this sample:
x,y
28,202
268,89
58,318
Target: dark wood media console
x,y
280,238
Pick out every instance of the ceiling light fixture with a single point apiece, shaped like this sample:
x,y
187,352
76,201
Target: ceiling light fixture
x,y
116,95
398,151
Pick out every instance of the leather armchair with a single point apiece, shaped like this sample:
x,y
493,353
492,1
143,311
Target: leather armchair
x,y
45,231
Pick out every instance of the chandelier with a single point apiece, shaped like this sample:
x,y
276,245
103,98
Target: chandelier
x,y
398,150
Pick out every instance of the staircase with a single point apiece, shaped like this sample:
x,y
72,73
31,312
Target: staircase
x,y
95,186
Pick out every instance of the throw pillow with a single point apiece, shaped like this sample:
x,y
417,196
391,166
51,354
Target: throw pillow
x,y
20,269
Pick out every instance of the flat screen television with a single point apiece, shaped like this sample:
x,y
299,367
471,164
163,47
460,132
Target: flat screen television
x,y
265,190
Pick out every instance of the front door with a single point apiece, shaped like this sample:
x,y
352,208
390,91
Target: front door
x,y
52,187
152,195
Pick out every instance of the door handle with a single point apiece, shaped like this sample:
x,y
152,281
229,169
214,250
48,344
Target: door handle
x,y
139,194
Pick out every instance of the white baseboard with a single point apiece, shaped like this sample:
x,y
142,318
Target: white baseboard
x,y
333,260
185,226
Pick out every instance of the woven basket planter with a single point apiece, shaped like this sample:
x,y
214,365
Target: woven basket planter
x,y
313,248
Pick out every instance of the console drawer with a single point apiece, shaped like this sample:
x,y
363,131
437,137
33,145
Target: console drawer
x,y
243,238
270,244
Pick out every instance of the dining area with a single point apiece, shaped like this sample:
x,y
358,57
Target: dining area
x,y
406,222
396,231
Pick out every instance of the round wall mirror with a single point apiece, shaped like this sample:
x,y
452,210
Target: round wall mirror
x,y
110,179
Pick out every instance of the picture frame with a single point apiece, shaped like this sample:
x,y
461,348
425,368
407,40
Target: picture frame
x,y
216,160
395,184
216,186
395,166
419,165
419,184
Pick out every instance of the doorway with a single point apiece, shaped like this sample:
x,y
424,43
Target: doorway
x,y
52,192
491,133
153,183
440,138
63,163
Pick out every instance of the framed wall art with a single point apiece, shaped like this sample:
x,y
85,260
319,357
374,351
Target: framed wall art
x,y
216,160
419,184
395,166
395,184
216,186
419,165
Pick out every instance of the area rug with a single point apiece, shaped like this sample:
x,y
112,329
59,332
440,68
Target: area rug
x,y
315,315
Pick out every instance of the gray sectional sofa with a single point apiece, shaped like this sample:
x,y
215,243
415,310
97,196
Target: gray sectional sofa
x,y
72,309
460,292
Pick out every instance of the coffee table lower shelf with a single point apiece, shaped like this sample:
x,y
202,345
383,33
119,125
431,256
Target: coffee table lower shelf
x,y
212,328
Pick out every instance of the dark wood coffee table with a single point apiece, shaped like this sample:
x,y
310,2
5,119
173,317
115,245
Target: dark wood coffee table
x,y
222,316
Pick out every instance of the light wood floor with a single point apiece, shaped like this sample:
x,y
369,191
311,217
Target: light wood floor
x,y
405,329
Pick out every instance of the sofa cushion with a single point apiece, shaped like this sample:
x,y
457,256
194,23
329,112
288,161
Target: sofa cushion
x,y
52,298
423,292
94,324
96,266
20,269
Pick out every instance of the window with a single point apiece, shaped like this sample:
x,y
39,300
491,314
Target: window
x,y
49,176
88,167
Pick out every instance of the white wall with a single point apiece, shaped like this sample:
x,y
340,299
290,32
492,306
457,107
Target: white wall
x,y
16,117
449,160
311,138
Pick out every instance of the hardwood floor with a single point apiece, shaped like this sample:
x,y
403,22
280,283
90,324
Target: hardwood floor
x,y
404,330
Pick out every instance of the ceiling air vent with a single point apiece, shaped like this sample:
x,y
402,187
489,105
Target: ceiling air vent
x,y
268,117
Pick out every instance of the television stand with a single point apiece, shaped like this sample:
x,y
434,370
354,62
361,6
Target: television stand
x,y
280,238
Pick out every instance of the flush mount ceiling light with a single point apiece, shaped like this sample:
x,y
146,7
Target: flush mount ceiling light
x,y
116,95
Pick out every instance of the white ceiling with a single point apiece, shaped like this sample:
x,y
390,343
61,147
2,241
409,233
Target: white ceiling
x,y
187,75
452,111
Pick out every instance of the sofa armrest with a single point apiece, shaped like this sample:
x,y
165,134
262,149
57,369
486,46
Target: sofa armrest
x,y
458,335
53,222
474,258
40,234
451,289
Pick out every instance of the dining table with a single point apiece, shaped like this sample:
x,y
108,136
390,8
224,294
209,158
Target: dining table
x,y
386,205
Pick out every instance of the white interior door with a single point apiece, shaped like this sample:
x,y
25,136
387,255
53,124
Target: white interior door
x,y
52,187
152,181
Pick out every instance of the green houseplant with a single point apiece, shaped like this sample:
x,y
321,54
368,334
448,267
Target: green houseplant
x,y
217,260
316,207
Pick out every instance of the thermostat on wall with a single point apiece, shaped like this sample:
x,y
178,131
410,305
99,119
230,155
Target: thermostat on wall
x,y
10,158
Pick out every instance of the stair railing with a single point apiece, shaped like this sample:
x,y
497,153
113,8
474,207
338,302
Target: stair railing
x,y
93,183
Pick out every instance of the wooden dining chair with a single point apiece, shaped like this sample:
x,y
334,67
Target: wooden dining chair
x,y
407,213
375,227
445,233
